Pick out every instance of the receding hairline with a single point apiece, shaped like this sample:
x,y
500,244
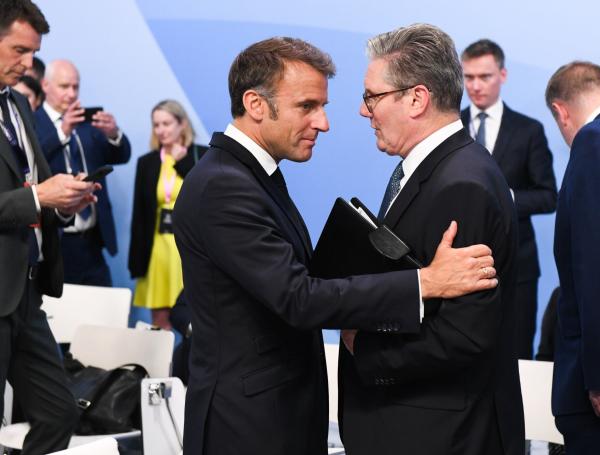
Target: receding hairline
x,y
58,64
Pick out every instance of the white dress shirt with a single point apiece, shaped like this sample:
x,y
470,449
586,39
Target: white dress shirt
x,y
262,156
492,123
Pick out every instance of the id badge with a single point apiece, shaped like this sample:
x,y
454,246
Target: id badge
x,y
166,221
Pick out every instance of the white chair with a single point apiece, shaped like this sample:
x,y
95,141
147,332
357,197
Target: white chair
x,y
536,388
109,347
104,446
80,305
163,408
331,358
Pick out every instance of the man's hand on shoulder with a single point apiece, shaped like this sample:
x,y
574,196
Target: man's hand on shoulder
x,y
66,193
454,272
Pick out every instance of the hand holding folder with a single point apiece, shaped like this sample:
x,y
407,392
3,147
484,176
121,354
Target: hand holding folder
x,y
354,242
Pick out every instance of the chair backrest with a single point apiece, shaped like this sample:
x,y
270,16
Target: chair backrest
x,y
103,446
111,347
536,388
160,435
81,305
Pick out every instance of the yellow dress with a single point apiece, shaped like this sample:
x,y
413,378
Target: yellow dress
x,y
163,281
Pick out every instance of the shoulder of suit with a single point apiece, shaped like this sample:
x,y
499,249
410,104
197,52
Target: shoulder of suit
x,y
152,155
517,117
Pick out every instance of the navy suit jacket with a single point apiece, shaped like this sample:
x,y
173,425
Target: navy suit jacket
x,y
453,388
98,152
257,373
522,152
576,250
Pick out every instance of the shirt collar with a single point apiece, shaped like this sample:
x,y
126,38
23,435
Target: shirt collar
x,y
262,156
495,111
428,145
5,90
593,115
54,115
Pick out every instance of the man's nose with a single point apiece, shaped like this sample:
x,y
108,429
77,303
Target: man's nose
x,y
320,121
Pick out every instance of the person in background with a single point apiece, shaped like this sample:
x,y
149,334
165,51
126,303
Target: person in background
x,y
32,204
37,70
573,97
72,145
519,146
153,256
31,89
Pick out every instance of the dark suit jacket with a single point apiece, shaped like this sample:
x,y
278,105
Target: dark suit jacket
x,y
454,387
522,153
143,220
576,250
257,374
98,152
17,212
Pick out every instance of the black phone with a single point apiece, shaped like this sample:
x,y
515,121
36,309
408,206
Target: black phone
x,y
89,112
99,173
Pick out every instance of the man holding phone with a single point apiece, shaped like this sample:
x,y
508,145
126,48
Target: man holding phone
x,y
76,140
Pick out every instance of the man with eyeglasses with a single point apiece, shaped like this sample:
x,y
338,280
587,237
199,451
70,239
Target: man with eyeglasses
x,y
452,388
257,374
519,146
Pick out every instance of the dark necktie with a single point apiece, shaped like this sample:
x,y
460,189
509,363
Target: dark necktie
x,y
480,136
21,157
277,178
11,135
393,188
76,162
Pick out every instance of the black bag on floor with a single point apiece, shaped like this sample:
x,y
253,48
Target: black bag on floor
x,y
108,400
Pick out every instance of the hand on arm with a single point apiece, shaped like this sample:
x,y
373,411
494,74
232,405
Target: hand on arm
x,y
454,272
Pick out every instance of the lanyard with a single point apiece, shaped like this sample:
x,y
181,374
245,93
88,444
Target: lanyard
x,y
168,183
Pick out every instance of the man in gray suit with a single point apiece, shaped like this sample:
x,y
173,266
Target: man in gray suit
x,y
30,260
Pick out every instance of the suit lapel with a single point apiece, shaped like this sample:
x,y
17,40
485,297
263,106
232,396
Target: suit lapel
x,y
227,144
6,152
504,135
422,173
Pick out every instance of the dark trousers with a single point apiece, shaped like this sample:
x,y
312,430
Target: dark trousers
x,y
29,360
581,433
526,317
83,259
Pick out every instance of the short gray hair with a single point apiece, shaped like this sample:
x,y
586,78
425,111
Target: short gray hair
x,y
421,54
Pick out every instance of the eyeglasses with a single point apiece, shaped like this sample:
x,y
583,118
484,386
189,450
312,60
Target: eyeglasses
x,y
372,100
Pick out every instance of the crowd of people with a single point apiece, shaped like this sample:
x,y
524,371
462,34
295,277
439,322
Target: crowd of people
x,y
428,357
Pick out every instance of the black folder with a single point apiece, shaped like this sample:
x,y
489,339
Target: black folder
x,y
351,245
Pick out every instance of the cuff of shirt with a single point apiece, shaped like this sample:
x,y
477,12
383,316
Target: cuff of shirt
x,y
116,141
512,193
421,305
38,207
65,219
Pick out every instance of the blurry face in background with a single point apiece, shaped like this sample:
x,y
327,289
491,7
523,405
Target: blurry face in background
x,y
167,128
34,102
483,80
62,86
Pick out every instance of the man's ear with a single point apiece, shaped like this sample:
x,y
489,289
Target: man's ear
x,y
255,105
561,113
421,99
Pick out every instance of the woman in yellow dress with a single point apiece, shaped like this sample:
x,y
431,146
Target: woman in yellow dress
x,y
153,256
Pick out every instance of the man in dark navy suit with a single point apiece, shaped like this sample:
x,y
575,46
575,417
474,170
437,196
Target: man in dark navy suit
x,y
73,145
573,96
518,144
257,375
